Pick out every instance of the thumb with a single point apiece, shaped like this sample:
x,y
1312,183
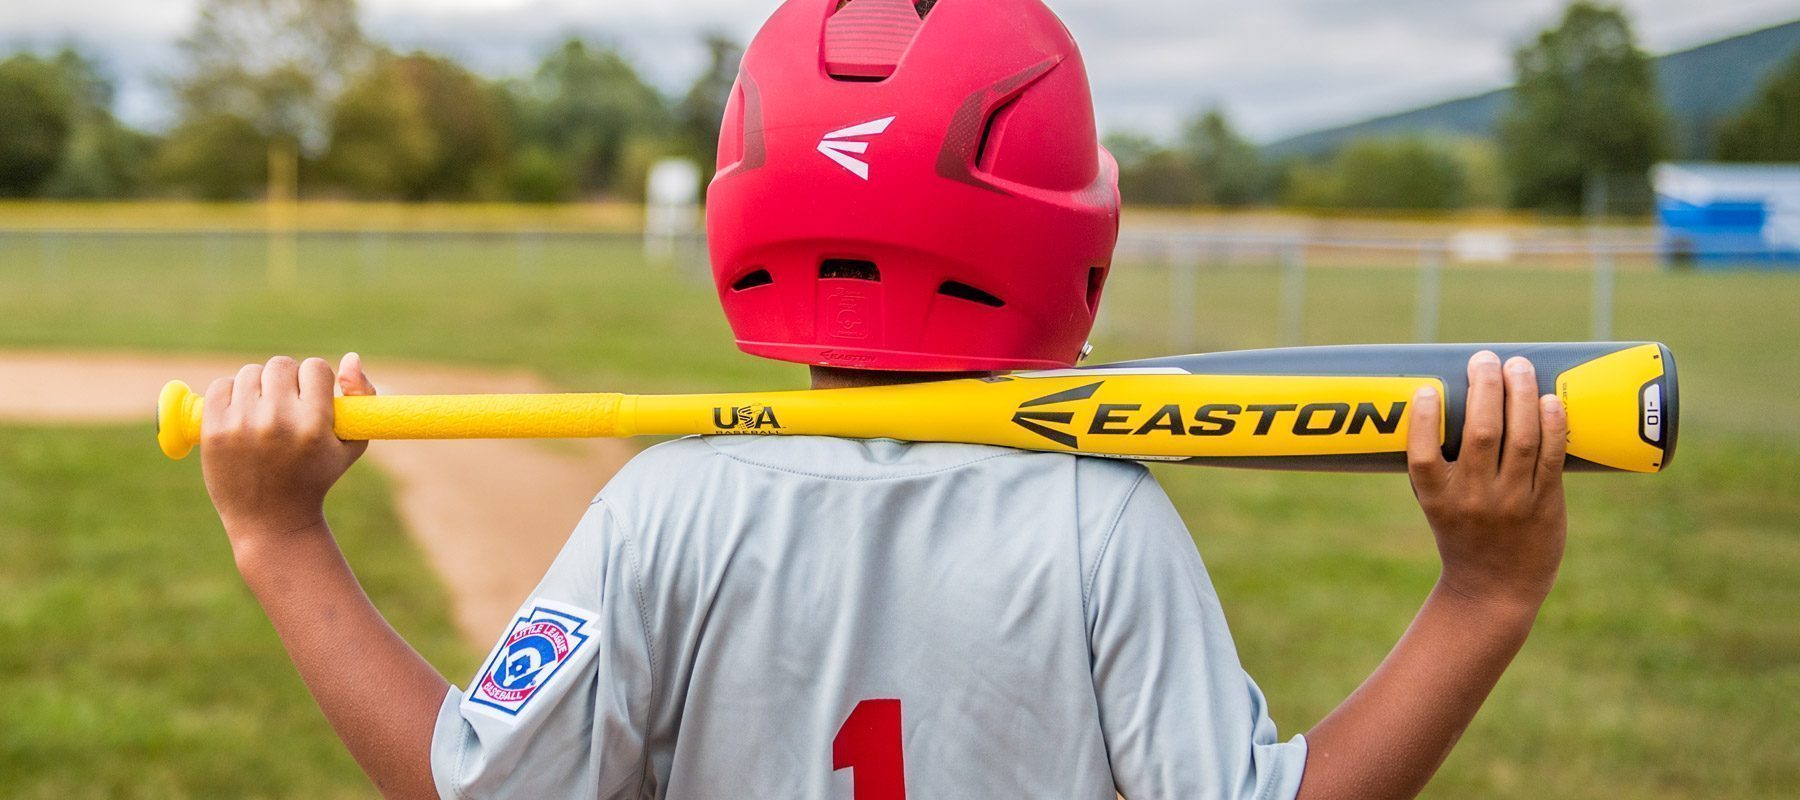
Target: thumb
x,y
1424,443
352,379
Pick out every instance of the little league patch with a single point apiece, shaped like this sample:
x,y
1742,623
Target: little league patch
x,y
529,656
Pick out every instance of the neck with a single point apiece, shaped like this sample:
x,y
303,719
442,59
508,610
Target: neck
x,y
835,378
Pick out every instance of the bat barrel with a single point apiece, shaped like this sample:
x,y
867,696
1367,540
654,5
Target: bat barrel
x,y
1623,399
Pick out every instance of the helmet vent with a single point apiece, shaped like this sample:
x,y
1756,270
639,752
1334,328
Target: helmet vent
x,y
963,291
760,277
922,6
987,132
850,270
865,39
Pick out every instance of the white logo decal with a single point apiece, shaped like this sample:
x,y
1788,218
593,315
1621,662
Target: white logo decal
x,y
841,151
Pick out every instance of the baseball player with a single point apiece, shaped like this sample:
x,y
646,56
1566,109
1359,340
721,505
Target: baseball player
x,y
906,190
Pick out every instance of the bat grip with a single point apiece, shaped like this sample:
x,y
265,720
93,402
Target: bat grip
x,y
552,416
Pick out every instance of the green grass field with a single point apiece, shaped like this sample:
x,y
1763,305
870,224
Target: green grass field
x,y
1666,664
133,663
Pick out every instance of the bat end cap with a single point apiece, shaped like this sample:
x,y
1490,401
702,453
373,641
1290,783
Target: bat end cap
x,y
173,407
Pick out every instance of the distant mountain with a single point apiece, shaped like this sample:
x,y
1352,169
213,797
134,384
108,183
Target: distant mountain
x,y
1700,86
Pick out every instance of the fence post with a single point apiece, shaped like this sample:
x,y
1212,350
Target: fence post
x,y
283,225
1293,292
51,252
1431,270
213,257
1602,330
1597,203
530,253
1184,304
372,247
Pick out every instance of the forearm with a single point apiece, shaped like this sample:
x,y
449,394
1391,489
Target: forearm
x,y
378,693
1389,737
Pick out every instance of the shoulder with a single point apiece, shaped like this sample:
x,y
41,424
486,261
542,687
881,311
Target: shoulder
x,y
664,460
1112,474
1106,486
660,471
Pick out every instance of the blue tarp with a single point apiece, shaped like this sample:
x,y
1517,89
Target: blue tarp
x,y
1719,215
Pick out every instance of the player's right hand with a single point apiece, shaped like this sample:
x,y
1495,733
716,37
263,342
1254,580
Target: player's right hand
x,y
1498,510
269,454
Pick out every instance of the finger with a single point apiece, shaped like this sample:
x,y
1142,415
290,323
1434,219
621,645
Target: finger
x,y
218,401
1484,423
351,377
1554,418
246,389
1424,442
1519,461
316,381
281,378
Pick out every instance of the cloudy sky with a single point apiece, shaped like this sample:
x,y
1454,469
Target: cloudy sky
x,y
1280,66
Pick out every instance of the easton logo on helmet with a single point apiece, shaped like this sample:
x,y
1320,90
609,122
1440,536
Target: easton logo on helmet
x,y
837,145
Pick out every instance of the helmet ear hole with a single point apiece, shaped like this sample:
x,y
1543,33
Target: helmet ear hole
x,y
1095,283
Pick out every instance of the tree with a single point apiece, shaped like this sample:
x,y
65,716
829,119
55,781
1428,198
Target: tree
x,y
1151,174
218,157
1227,165
1769,129
1211,164
1585,106
700,113
36,126
417,127
275,66
103,158
1396,174
586,106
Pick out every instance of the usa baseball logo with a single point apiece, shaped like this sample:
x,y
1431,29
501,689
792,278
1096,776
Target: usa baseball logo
x,y
532,652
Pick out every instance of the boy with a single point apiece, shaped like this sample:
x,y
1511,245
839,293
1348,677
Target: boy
x,y
906,191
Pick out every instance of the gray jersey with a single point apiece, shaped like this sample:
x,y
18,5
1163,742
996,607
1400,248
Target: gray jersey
x,y
824,618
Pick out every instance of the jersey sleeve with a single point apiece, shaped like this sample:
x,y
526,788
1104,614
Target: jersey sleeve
x,y
559,708
1181,717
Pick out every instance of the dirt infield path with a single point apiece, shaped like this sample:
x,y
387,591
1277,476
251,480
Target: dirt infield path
x,y
490,515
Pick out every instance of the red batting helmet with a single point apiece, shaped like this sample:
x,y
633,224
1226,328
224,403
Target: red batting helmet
x,y
913,186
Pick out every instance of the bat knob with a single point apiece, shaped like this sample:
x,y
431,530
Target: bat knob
x,y
178,420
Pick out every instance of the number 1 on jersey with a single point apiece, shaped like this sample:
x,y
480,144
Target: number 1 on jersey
x,y
869,746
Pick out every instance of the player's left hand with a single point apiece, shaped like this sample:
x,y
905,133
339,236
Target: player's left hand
x,y
269,454
1498,510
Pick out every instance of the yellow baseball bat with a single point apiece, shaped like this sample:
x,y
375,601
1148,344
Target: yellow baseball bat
x,y
1314,408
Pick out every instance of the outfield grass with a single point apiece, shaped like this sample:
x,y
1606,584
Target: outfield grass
x,y
133,662
1667,661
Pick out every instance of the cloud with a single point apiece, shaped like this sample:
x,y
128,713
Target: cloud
x,y
1280,66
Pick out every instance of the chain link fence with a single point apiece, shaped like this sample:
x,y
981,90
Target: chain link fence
x,y
1174,289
